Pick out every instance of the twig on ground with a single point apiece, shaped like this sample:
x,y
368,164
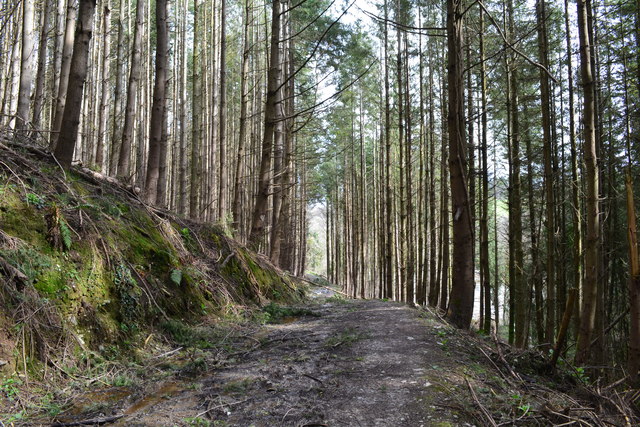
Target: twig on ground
x,y
313,378
168,353
320,286
226,260
92,421
484,411
221,406
148,291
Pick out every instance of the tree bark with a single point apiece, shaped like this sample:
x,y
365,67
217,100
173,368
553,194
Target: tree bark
x,y
590,288
270,120
124,159
26,64
462,282
78,72
104,96
157,124
38,98
196,117
242,127
222,117
484,208
65,69
634,285
548,174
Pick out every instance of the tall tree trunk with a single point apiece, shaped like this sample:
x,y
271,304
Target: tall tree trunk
x,y
387,166
434,283
117,91
545,95
410,233
124,159
445,223
575,180
270,121
484,210
462,283
242,127
183,158
39,98
157,124
590,289
518,294
402,232
281,211
634,285
222,116
26,64
65,68
78,72
196,120
104,92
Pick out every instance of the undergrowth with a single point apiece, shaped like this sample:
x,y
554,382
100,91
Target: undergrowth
x,y
96,284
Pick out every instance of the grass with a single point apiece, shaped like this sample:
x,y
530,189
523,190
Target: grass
x,y
347,337
275,313
338,299
238,386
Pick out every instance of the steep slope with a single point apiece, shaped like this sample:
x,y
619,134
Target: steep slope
x,y
89,271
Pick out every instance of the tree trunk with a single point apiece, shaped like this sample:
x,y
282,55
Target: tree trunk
x,y
484,209
124,159
388,261
196,117
590,289
157,124
634,285
104,98
242,127
117,92
270,121
517,295
462,282
26,64
65,68
575,180
78,72
222,116
548,173
38,98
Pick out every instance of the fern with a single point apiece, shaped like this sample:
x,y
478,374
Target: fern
x,y
176,276
65,232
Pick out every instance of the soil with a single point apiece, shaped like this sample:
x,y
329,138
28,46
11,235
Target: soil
x,y
349,362
343,363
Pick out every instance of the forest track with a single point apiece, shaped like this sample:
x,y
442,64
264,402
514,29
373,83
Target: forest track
x,y
356,363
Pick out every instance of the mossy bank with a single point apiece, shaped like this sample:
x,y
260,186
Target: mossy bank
x,y
87,270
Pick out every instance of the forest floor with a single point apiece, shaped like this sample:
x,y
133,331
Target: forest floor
x,y
354,363
340,362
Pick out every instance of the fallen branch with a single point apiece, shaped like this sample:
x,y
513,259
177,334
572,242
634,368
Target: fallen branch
x,y
14,274
482,408
90,422
312,377
220,406
320,286
147,290
168,353
226,260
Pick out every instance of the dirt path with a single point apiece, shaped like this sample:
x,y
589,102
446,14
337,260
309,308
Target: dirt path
x,y
357,363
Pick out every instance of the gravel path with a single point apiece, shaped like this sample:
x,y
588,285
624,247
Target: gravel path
x,y
357,363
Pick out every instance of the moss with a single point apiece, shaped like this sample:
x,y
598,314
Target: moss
x,y
146,247
51,284
188,297
92,288
21,219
